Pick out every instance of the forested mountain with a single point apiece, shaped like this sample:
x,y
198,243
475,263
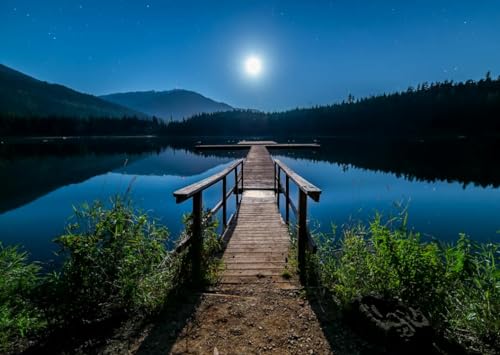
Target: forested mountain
x,y
469,108
437,109
24,96
173,104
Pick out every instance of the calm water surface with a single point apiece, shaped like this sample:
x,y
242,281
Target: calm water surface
x,y
40,190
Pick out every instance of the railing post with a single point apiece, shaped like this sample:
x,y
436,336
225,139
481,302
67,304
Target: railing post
x,y
224,204
236,185
287,197
196,230
302,233
279,186
275,176
242,178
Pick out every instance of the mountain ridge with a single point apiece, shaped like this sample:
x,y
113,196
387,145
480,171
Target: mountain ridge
x,y
175,104
24,95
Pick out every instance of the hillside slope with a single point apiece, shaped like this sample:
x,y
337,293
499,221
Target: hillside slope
x,y
22,95
172,104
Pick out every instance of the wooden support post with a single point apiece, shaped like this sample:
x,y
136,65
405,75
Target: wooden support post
x,y
287,198
224,203
275,167
196,230
236,185
279,185
302,233
242,177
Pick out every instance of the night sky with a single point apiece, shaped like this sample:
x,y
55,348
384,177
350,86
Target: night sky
x,y
312,52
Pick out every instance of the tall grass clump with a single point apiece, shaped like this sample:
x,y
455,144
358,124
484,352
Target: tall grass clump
x,y
115,261
456,286
19,280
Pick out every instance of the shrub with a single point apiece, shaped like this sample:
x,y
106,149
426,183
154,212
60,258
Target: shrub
x,y
115,261
456,286
19,279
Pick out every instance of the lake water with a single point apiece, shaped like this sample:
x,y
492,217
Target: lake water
x,y
42,182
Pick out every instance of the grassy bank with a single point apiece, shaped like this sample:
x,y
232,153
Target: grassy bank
x,y
115,264
456,286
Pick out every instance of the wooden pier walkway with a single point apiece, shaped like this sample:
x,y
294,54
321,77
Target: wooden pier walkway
x,y
258,238
258,241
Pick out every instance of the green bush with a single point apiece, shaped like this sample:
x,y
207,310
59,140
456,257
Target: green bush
x,y
115,260
19,279
456,286
210,264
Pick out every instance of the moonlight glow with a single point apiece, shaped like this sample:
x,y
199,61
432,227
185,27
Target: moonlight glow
x,y
253,66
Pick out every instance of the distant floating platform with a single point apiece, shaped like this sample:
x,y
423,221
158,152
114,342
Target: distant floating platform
x,y
267,144
257,142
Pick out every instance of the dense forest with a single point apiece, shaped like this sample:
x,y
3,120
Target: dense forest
x,y
470,108
465,108
11,125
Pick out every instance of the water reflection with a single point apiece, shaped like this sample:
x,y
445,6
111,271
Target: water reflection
x,y
450,187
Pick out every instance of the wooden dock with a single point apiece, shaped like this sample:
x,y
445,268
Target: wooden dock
x,y
257,236
267,144
258,241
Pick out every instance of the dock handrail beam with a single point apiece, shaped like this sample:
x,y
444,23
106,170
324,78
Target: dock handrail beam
x,y
306,189
195,191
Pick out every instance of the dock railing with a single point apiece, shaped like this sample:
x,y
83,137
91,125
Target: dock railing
x,y
195,192
305,190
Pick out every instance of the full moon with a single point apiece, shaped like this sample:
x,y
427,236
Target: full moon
x,y
253,66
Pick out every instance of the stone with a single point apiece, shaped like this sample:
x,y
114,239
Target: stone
x,y
392,323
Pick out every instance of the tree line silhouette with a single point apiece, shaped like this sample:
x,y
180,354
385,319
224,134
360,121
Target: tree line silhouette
x,y
465,108
436,109
11,125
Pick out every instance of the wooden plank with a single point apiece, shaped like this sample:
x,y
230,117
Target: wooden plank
x,y
254,272
278,280
252,264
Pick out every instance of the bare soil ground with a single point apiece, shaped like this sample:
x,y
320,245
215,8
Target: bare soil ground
x,y
242,319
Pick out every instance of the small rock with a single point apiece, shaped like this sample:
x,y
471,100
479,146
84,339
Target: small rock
x,y
216,351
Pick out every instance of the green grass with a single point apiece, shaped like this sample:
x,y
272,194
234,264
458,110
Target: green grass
x,y
115,261
19,279
457,286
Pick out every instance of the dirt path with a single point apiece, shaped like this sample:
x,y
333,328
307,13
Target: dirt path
x,y
253,319
242,319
